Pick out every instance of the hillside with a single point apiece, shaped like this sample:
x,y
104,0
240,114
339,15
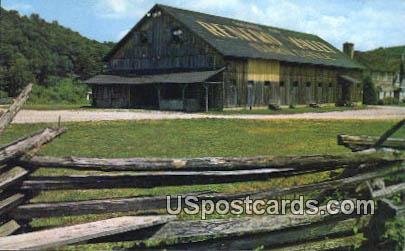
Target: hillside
x,y
383,59
32,49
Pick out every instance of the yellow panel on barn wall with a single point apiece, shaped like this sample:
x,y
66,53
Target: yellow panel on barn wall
x,y
263,70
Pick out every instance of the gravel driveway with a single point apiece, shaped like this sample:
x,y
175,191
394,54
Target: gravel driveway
x,y
36,116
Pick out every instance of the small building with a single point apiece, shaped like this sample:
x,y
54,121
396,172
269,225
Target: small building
x,y
384,82
386,72
399,82
175,59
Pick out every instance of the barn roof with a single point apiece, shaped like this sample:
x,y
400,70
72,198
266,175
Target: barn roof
x,y
235,38
290,46
179,77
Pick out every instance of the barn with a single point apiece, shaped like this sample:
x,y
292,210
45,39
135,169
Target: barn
x,y
175,59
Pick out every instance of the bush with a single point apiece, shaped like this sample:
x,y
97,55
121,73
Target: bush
x,y
369,92
388,101
59,91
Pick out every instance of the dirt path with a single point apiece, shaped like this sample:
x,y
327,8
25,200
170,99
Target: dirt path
x,y
36,116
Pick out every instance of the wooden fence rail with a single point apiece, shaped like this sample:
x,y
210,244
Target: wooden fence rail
x,y
156,203
12,111
358,143
208,164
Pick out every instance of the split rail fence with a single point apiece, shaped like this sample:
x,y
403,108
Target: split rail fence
x,y
361,176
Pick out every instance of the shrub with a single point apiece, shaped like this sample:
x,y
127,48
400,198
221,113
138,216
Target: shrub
x,y
389,101
59,91
369,92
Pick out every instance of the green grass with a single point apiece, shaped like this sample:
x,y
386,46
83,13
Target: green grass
x,y
189,138
296,110
197,138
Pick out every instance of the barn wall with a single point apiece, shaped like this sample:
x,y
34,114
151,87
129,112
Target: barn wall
x,y
154,48
111,96
304,84
235,87
260,82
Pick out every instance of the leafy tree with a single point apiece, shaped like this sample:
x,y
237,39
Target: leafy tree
x,y
32,49
18,75
369,92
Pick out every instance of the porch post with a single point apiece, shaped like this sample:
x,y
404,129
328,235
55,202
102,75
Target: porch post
x,y
158,94
129,96
183,95
206,96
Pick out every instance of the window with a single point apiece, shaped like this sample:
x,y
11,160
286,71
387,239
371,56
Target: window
x,y
308,84
267,83
177,35
282,84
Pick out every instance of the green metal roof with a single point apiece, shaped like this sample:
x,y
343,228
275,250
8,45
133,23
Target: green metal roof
x,y
241,46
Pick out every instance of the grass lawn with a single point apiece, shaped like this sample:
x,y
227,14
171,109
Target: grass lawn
x,y
197,138
189,138
302,109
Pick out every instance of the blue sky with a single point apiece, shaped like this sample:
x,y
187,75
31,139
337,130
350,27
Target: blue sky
x,y
367,23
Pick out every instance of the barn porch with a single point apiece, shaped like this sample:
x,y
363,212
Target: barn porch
x,y
186,91
350,89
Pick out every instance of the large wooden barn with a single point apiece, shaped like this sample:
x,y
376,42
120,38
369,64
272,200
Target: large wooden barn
x,y
176,59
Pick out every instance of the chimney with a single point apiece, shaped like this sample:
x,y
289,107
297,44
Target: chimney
x,y
348,49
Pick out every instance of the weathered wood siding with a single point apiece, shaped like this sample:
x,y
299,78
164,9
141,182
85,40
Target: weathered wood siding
x,y
235,83
261,82
154,48
111,96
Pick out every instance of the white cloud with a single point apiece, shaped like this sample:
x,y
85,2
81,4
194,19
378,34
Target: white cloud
x,y
121,9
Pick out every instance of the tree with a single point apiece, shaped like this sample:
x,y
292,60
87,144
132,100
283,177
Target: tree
x,y
369,92
18,75
402,69
32,49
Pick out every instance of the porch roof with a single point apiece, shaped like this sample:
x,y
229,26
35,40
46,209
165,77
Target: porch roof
x,y
179,77
349,79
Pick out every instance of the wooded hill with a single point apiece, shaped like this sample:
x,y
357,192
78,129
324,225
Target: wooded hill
x,y
381,59
32,49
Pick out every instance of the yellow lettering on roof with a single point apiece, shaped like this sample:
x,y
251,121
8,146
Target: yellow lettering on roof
x,y
324,47
237,32
311,45
264,37
247,34
222,30
212,29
